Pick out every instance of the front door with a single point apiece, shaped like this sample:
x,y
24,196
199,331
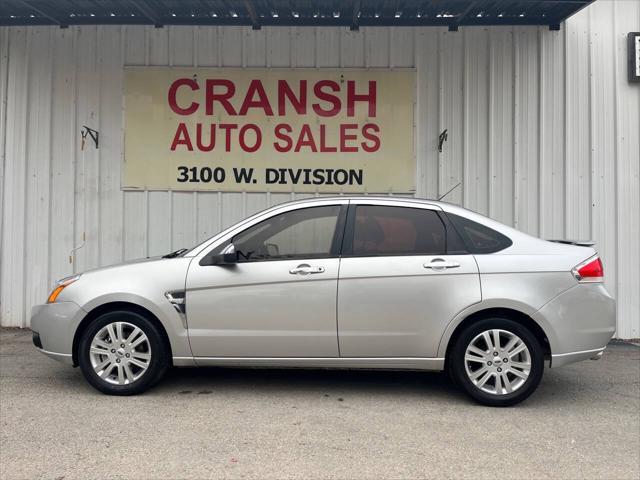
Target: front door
x,y
279,299
400,283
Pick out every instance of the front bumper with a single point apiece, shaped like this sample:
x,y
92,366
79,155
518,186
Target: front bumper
x,y
54,325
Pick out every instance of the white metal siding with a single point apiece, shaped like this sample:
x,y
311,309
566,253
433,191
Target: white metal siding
x,y
544,133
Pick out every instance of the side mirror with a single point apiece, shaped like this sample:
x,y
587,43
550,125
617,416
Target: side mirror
x,y
228,256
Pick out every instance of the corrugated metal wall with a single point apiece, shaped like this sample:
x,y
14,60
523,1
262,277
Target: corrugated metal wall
x,y
544,133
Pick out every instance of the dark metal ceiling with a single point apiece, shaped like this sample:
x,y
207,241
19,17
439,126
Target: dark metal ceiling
x,y
258,13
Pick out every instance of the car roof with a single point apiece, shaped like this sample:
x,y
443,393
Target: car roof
x,y
382,198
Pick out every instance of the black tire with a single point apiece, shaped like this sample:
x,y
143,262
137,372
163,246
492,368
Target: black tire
x,y
158,363
457,369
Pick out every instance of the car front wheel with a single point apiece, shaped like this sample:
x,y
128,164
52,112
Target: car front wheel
x,y
497,361
122,353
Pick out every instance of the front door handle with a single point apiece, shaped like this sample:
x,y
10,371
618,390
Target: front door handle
x,y
440,264
305,269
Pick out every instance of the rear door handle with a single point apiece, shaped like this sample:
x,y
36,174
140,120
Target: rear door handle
x,y
306,269
440,264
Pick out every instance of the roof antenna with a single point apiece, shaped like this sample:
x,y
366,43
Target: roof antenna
x,y
450,190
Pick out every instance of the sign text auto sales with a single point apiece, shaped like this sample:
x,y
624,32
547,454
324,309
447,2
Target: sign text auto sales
x,y
324,103
269,130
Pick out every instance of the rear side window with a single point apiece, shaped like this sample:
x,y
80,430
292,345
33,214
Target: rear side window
x,y
383,230
478,238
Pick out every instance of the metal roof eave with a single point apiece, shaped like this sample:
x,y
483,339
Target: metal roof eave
x,y
308,13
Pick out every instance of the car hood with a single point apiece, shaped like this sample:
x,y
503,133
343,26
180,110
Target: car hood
x,y
140,278
135,261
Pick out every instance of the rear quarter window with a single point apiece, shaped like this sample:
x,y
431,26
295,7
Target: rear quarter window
x,y
478,238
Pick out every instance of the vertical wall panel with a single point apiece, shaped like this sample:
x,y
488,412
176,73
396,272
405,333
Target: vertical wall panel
x,y
207,47
351,48
303,47
135,225
451,112
376,46
4,71
87,181
401,47
230,39
254,48
157,42
577,128
14,228
159,223
208,218
552,135
543,132
232,209
183,227
38,163
65,142
626,18
279,47
526,147
182,50
427,112
135,219
603,136
501,125
111,152
328,47
476,124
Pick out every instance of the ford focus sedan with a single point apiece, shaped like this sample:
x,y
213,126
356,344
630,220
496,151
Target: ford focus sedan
x,y
346,282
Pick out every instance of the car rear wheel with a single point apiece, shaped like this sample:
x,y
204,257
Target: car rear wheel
x,y
122,353
497,361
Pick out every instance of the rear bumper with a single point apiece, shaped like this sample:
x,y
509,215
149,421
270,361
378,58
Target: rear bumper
x,y
54,325
561,359
579,323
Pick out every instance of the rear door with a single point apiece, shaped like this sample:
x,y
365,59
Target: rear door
x,y
403,277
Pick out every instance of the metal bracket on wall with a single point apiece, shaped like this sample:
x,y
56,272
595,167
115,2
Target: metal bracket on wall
x,y
94,134
441,139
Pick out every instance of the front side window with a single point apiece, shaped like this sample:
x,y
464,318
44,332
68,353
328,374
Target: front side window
x,y
384,230
303,233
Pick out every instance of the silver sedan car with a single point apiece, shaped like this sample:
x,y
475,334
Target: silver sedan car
x,y
345,282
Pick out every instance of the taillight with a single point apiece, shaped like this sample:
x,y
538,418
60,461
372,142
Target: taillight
x,y
589,271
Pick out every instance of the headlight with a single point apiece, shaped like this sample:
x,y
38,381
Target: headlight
x,y
61,285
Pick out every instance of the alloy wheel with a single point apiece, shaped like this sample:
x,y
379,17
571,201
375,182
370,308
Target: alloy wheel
x,y
120,353
497,362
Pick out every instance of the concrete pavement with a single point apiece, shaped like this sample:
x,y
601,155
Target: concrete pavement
x,y
583,422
